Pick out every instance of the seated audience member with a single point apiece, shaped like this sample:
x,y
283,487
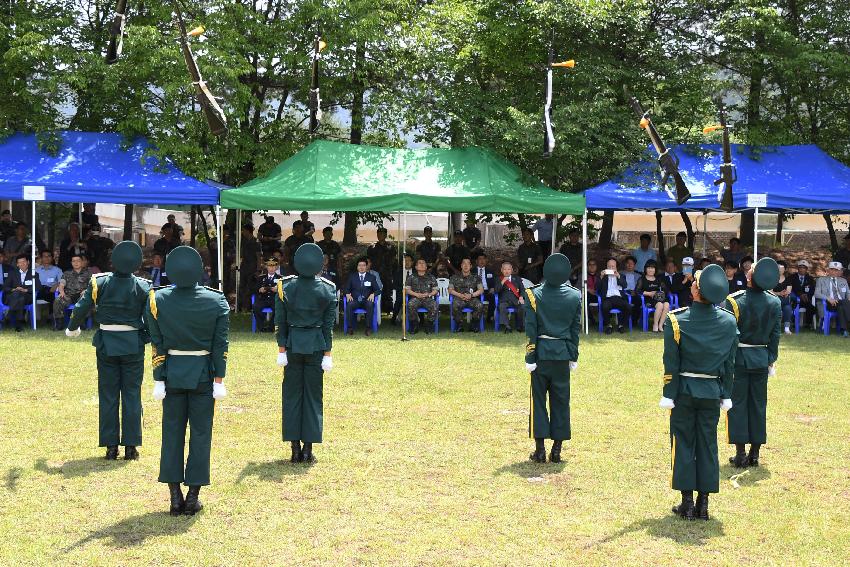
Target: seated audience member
x,y
744,267
269,234
736,281
397,284
832,293
592,282
264,296
612,291
156,272
704,263
49,276
488,282
307,224
328,271
680,250
98,250
5,269
374,272
330,248
167,242
654,291
421,288
679,283
72,285
18,243
360,291
803,288
529,257
511,292
630,274
644,254
572,249
456,252
783,291
428,250
17,290
441,269
71,245
467,290
282,268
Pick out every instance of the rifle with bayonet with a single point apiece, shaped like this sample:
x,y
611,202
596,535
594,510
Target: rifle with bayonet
x,y
116,33
728,171
548,133
315,97
667,160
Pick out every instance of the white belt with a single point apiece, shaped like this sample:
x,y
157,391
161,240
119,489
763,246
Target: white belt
x,y
550,338
745,345
697,375
104,327
174,352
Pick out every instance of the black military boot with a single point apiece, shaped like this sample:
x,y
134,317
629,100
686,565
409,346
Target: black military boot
x,y
296,452
740,460
193,505
111,453
753,457
555,455
701,510
308,454
685,510
177,501
539,454
130,453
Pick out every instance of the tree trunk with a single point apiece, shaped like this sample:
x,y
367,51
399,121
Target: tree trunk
x,y
689,229
51,228
780,222
607,230
128,223
659,236
748,225
193,225
833,239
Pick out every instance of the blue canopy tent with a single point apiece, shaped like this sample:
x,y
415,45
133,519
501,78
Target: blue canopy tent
x,y
96,167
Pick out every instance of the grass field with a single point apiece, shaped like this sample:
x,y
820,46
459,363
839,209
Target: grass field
x,y
425,462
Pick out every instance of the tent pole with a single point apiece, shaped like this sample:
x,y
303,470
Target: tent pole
x,y
219,252
554,233
756,236
238,253
32,269
705,233
403,277
584,270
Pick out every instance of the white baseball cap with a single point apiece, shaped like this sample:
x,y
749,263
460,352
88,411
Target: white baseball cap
x,y
687,261
836,266
803,263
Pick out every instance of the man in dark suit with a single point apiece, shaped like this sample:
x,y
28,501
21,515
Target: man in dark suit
x,y
679,283
803,288
5,269
360,291
264,296
611,290
510,291
488,282
17,290
156,272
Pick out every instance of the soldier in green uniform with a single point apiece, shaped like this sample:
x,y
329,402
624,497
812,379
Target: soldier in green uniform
x,y
466,289
699,355
421,286
305,312
119,299
189,334
759,316
552,325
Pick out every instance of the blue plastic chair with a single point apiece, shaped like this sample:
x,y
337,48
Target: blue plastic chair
x,y
613,311
795,301
266,310
453,323
67,314
645,311
376,311
828,316
496,320
423,310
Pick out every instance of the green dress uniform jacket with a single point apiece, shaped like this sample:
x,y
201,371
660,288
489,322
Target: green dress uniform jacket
x,y
119,301
759,317
189,329
305,313
700,342
553,326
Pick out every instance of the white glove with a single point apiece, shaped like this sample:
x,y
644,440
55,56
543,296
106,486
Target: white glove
x,y
159,391
327,363
73,334
219,391
726,404
281,359
771,370
531,366
573,366
666,403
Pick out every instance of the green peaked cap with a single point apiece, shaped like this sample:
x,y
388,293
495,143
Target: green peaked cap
x,y
308,260
557,269
713,284
184,266
766,274
126,257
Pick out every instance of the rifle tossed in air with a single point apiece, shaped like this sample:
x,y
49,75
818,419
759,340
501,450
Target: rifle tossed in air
x,y
548,133
728,171
667,160
315,98
116,33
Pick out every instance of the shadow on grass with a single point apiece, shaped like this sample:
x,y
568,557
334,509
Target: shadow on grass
x,y
528,469
12,477
79,467
272,471
672,527
133,531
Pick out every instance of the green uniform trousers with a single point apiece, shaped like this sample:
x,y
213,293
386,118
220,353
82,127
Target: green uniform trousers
x,y
693,438
119,383
552,377
302,397
197,407
747,420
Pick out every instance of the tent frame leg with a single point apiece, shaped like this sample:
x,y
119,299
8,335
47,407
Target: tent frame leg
x,y
32,268
584,271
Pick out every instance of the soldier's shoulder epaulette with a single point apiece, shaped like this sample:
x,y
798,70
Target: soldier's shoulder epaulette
x,y
327,281
159,287
738,293
771,292
719,308
102,274
533,286
679,310
146,280
287,278
215,289
571,286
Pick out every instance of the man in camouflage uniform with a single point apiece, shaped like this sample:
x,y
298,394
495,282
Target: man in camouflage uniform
x,y
71,287
421,287
466,290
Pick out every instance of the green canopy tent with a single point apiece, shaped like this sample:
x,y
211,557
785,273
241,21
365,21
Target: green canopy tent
x,y
334,176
